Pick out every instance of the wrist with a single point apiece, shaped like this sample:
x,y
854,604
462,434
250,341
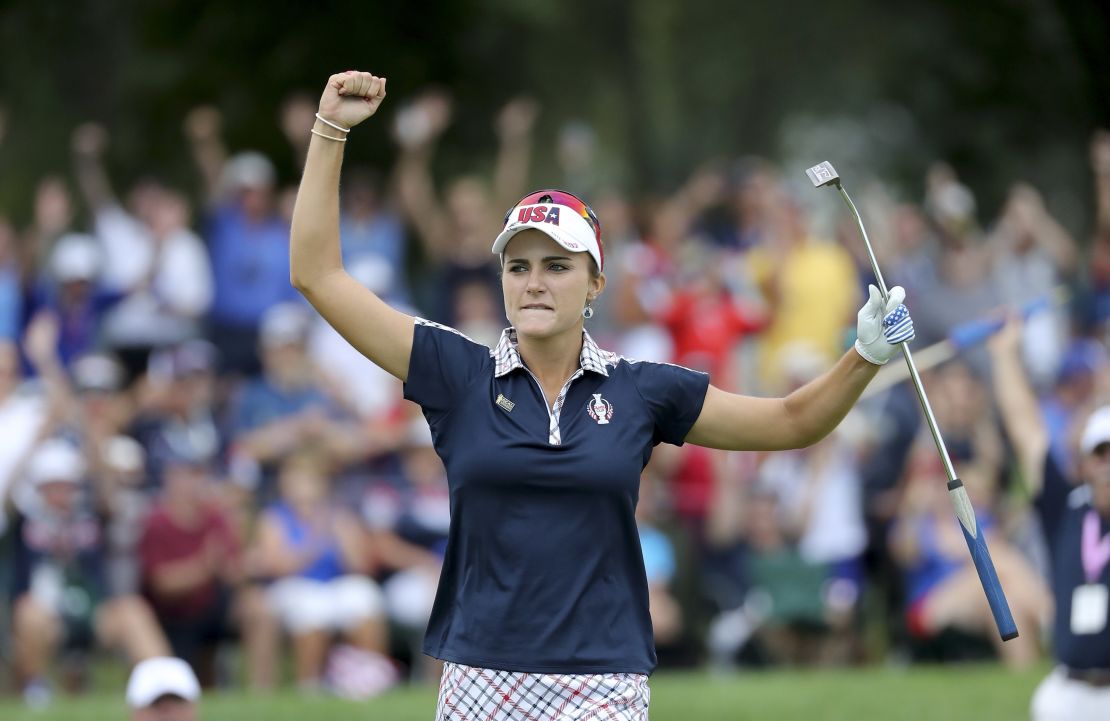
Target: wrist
x,y
321,129
868,355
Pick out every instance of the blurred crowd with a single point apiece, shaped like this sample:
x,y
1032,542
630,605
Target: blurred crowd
x,y
192,463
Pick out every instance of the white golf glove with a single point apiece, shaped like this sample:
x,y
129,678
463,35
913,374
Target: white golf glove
x,y
880,328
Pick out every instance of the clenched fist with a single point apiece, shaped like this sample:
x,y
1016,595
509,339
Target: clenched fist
x,y
351,97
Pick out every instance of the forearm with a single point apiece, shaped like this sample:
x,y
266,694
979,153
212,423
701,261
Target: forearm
x,y
1020,412
314,250
94,183
210,156
511,174
416,193
816,408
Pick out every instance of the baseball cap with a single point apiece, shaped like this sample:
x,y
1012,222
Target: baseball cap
x,y
76,257
98,372
161,676
1097,430
562,216
284,324
248,169
55,461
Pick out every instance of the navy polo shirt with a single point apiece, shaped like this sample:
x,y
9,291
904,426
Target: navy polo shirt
x,y
1062,508
543,570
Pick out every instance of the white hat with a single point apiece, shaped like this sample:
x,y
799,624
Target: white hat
x,y
161,676
248,169
1097,430
284,324
124,453
75,257
562,216
55,461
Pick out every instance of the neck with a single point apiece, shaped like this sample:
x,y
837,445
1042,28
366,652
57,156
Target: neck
x,y
552,359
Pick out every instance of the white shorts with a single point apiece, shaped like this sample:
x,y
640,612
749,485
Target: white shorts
x,y
466,693
1060,698
409,596
303,605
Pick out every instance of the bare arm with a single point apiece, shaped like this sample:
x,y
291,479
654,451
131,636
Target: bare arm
x,y
89,143
381,333
1017,404
417,130
734,422
202,128
514,154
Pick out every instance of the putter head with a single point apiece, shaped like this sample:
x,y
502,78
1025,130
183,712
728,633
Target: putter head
x,y
823,174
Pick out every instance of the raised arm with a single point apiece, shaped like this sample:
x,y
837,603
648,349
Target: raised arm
x,y
417,129
89,142
1017,404
514,152
202,128
735,422
376,330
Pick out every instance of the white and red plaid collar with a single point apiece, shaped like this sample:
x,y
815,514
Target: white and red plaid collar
x,y
507,358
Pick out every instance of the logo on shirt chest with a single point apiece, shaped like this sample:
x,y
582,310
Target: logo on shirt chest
x,y
600,409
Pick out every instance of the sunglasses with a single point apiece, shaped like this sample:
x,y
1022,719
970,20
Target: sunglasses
x,y
569,200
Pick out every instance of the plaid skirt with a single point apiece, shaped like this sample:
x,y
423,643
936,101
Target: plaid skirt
x,y
467,693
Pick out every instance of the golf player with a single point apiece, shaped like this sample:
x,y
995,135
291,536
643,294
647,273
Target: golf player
x,y
1076,522
542,607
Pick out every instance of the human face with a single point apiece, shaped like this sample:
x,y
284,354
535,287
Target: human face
x,y
546,286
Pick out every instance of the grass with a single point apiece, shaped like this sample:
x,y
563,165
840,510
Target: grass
x,y
952,693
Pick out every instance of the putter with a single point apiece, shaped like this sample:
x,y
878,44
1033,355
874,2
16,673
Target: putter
x,y
823,175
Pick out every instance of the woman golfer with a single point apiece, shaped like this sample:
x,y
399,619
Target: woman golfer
x,y
542,607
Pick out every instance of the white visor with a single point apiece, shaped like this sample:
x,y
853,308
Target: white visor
x,y
561,223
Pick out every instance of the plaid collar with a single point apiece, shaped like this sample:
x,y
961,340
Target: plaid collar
x,y
507,358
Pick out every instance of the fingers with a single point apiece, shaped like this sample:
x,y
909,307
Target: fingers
x,y
895,298
354,83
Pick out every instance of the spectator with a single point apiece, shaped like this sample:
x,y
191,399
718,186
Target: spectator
x,y
1076,520
454,231
287,406
316,554
59,596
177,403
151,257
124,469
370,230
247,240
193,573
72,291
408,526
810,286
163,689
23,414
1032,254
943,587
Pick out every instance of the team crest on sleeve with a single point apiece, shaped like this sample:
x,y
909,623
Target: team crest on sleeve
x,y
599,409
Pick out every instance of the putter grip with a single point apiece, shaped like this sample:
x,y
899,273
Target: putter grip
x,y
1003,619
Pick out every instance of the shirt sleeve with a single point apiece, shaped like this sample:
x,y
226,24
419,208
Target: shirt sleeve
x,y
674,396
443,364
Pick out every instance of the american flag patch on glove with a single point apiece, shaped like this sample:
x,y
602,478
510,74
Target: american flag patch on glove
x,y
898,326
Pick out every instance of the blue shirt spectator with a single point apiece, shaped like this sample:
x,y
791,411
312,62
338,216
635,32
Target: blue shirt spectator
x,y
250,263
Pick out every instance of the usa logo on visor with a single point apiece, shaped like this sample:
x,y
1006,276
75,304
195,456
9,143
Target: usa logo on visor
x,y
538,214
